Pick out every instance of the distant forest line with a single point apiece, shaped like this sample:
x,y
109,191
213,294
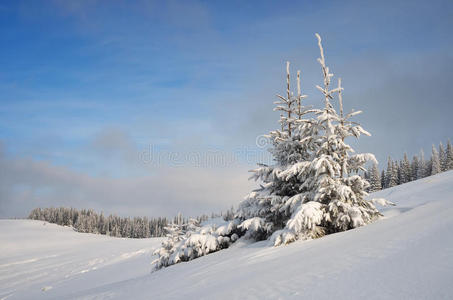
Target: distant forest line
x,y
89,221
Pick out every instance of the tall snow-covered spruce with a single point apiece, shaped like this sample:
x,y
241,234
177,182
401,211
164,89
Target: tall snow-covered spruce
x,y
312,188
330,195
267,209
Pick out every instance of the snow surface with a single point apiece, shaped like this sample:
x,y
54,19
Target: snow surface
x,y
43,260
406,255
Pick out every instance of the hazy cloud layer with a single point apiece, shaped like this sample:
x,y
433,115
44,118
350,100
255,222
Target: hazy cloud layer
x,y
26,184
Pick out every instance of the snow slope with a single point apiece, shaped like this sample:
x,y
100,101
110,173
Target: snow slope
x,y
43,260
407,255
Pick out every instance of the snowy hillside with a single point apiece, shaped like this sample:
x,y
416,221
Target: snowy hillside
x,y
407,255
43,260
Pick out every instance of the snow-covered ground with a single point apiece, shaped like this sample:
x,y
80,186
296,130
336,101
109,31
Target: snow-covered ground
x,y
43,260
407,255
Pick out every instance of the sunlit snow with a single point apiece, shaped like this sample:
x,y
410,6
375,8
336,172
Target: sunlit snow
x,y
406,255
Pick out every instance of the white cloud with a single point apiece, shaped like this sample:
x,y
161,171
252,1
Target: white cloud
x,y
27,183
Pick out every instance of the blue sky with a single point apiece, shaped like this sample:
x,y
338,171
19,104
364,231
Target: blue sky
x,y
87,88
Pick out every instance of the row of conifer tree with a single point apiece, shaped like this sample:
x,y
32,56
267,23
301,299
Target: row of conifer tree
x,y
399,172
89,221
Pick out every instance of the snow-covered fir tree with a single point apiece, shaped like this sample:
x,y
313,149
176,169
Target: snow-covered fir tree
x,y
166,254
435,162
388,173
292,144
191,240
422,167
414,167
375,179
391,176
405,170
383,183
442,157
449,157
327,196
396,172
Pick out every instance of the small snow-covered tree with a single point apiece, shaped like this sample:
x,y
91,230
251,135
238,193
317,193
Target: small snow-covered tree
x,y
405,169
375,179
166,254
449,157
435,162
442,157
414,167
383,183
397,171
422,167
191,240
391,176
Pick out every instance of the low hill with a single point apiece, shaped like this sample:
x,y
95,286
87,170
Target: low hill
x,y
406,255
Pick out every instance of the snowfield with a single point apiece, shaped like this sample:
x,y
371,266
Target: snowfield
x,y
406,255
43,260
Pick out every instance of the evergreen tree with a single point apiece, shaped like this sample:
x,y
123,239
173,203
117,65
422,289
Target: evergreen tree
x,y
328,198
449,157
189,240
391,176
375,179
290,145
145,225
422,168
383,179
102,228
366,175
405,167
395,174
429,167
435,162
442,157
414,168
